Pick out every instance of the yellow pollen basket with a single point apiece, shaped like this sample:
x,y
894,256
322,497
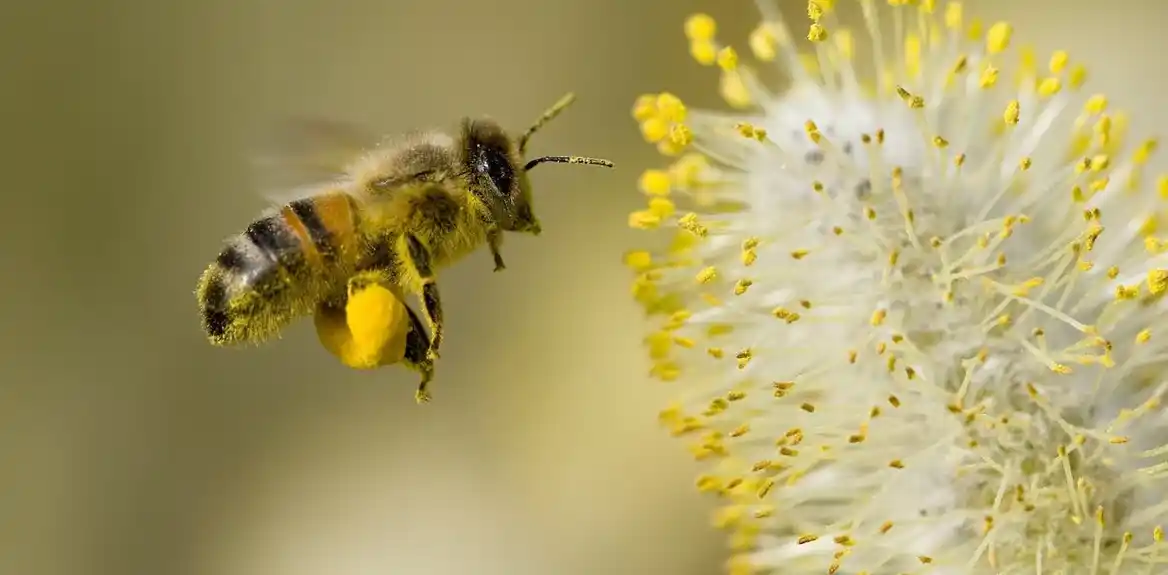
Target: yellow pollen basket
x,y
369,332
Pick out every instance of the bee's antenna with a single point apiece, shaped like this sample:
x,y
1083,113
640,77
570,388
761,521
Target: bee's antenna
x,y
547,116
567,160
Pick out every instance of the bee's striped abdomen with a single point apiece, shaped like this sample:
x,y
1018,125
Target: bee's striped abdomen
x,y
277,269
304,217
250,290
328,223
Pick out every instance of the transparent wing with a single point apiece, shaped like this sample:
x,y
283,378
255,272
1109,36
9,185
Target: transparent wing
x,y
300,155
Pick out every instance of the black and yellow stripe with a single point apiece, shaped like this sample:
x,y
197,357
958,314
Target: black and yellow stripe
x,y
271,273
319,234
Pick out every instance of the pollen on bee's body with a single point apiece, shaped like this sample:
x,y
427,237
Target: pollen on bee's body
x,y
952,271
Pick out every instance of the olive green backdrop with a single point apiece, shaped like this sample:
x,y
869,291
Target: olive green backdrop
x,y
129,446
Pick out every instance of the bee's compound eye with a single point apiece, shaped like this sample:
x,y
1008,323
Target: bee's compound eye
x,y
499,170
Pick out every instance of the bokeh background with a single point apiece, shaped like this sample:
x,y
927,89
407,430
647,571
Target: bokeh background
x,y
129,446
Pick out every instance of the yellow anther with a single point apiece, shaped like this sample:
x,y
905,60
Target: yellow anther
x,y
645,107
708,483
911,100
663,208
1144,336
639,260
812,131
681,135
799,254
975,30
940,142
707,275
1096,104
1012,113
1092,235
749,257
1145,151
1049,87
953,16
732,87
998,37
785,314
1025,163
1078,76
1157,281
1058,61
763,43
750,131
670,107
689,223
704,52
669,148
741,286
1027,285
814,11
727,58
655,183
716,352
743,357
817,33
989,77
960,65
700,27
654,129
644,220
878,317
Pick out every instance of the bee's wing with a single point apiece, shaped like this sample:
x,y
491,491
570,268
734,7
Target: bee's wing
x,y
301,155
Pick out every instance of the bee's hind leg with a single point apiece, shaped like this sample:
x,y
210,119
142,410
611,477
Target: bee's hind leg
x,y
417,356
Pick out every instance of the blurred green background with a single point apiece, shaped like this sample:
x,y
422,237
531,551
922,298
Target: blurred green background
x,y
129,446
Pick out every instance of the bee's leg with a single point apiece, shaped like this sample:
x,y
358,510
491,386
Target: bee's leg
x,y
430,300
417,356
495,241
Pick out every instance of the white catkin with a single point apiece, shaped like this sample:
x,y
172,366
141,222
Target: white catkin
x,y
914,328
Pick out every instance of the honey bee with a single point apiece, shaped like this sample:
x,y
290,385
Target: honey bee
x,y
388,216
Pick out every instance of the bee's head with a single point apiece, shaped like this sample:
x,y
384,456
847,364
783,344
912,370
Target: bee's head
x,y
499,174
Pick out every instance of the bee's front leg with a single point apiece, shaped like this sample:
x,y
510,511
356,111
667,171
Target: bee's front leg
x,y
495,241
